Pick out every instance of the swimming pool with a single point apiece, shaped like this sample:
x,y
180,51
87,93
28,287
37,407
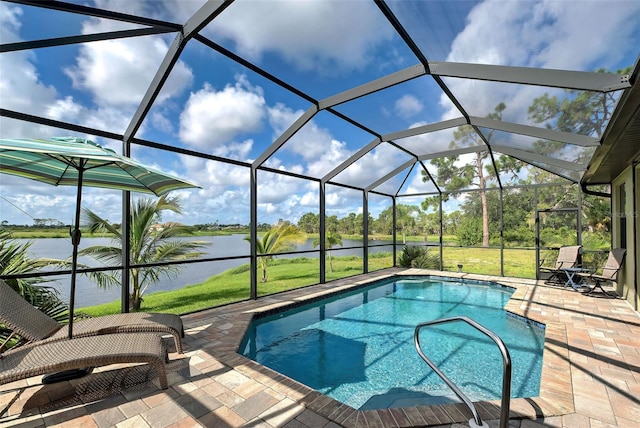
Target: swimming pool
x,y
358,347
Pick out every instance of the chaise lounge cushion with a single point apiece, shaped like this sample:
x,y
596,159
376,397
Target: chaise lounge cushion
x,y
34,325
78,353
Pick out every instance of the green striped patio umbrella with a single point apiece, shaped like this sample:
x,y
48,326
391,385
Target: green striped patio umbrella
x,y
77,162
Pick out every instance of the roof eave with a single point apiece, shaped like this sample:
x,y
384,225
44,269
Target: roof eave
x,y
620,143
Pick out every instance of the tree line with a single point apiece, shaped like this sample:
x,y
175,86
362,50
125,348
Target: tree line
x,y
465,225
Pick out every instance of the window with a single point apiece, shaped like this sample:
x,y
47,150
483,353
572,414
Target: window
x,y
621,215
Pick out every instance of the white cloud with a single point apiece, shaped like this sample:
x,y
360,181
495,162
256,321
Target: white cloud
x,y
276,163
333,155
212,118
372,166
20,85
11,24
282,117
333,199
548,34
309,142
174,10
235,150
408,106
215,176
217,120
341,201
24,200
277,188
311,35
601,23
226,206
314,144
224,193
424,144
310,199
69,110
416,185
161,122
98,70
118,72
232,206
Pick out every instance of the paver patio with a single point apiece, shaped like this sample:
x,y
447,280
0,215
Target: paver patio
x,y
590,378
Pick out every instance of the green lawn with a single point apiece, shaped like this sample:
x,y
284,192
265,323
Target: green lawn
x,y
517,263
286,274
40,233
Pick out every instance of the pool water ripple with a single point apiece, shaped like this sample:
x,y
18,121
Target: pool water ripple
x,y
358,348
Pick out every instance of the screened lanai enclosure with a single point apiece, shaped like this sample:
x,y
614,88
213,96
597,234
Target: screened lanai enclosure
x,y
462,128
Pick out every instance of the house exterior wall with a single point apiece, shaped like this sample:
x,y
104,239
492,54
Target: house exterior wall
x,y
624,209
635,253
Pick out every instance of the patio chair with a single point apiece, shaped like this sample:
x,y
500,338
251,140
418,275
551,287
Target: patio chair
x,y
610,271
568,258
79,353
34,325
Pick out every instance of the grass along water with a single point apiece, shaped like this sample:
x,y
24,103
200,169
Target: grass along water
x,y
286,274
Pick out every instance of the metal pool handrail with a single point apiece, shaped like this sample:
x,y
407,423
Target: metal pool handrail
x,y
506,373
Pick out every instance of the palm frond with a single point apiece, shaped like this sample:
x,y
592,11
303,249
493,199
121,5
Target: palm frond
x,y
15,259
110,255
278,239
150,242
97,224
179,250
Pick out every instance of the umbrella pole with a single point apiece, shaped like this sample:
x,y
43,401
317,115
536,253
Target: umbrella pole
x,y
75,240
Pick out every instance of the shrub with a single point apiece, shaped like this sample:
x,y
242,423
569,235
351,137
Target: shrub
x,y
418,257
469,232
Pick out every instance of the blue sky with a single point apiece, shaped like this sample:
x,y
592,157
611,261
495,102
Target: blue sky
x,y
214,105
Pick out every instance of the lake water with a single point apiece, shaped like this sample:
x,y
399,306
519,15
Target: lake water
x,y
88,293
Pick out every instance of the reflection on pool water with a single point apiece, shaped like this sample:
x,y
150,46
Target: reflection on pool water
x,y
358,347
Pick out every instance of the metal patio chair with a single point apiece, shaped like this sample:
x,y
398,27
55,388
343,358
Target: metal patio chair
x,y
610,271
568,258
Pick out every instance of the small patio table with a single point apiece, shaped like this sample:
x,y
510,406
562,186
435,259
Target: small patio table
x,y
571,273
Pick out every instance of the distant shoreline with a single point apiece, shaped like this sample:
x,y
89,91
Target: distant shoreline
x,y
27,232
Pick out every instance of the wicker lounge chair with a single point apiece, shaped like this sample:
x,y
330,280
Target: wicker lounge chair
x,y
34,325
92,351
568,257
610,271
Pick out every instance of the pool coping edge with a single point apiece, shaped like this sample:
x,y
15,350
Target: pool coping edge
x,y
555,398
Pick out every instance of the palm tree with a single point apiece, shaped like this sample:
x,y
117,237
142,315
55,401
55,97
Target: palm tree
x,y
406,219
14,260
280,238
150,243
331,238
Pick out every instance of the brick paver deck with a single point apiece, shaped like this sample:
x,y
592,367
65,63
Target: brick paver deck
x,y
590,377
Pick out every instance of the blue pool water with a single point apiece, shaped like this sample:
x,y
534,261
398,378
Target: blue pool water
x,y
358,347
